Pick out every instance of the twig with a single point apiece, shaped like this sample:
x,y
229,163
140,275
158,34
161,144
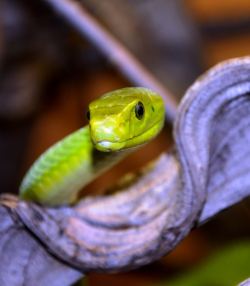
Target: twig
x,y
118,55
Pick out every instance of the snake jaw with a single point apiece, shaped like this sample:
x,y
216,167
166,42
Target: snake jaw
x,y
108,146
107,135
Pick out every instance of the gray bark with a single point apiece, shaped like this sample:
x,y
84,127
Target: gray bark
x,y
207,172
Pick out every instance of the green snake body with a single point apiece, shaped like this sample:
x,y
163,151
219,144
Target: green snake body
x,y
118,122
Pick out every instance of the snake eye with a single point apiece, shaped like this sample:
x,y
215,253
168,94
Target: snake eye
x,y
139,110
88,115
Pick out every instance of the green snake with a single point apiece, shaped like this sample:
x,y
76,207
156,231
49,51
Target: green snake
x,y
119,121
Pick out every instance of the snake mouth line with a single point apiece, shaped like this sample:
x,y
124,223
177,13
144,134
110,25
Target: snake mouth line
x,y
108,143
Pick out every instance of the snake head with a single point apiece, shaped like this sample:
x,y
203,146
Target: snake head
x,y
125,118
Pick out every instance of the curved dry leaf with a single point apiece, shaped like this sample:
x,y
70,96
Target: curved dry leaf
x,y
207,172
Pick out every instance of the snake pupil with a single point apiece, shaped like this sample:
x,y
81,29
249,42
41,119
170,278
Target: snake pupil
x,y
139,110
88,115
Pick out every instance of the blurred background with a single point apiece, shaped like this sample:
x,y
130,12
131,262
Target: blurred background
x,y
50,72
